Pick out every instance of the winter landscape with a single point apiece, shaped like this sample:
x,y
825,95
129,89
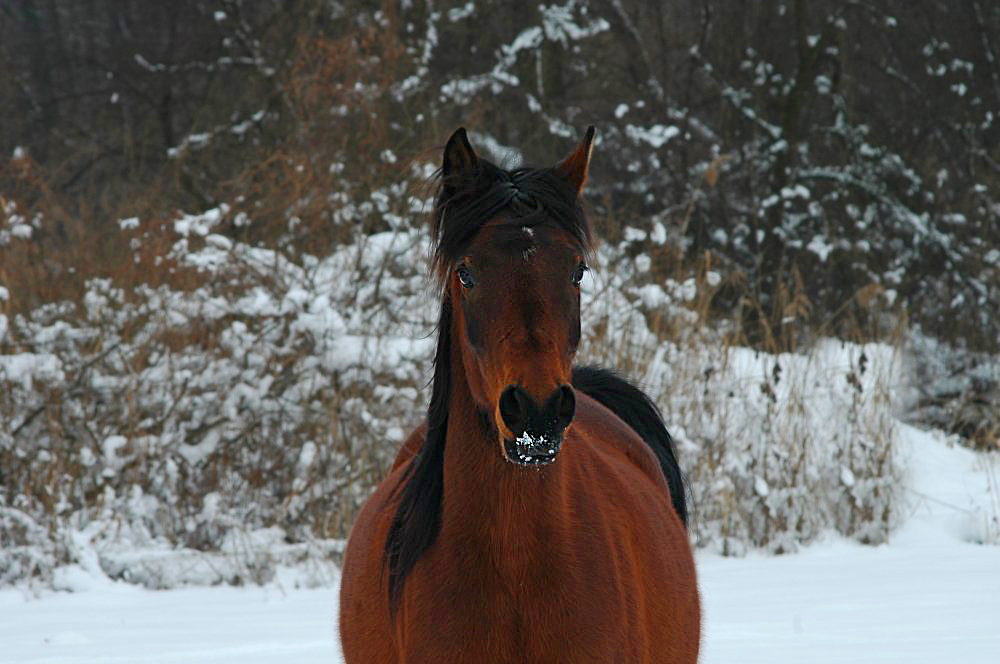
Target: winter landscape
x,y
929,594
217,320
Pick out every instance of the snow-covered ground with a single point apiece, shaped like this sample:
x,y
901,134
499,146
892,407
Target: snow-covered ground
x,y
932,594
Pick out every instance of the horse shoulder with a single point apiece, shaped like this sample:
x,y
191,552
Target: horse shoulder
x,y
364,591
642,530
621,478
604,429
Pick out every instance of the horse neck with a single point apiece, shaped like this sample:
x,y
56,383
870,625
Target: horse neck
x,y
491,504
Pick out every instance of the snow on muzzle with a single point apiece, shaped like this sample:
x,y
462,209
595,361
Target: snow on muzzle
x,y
538,431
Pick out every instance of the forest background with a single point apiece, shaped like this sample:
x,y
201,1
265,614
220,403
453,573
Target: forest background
x,y
212,221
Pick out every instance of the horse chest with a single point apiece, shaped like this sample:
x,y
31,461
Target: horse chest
x,y
553,608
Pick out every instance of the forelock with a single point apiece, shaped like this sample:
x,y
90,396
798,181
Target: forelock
x,y
527,196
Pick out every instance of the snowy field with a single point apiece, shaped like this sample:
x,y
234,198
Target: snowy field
x,y
931,594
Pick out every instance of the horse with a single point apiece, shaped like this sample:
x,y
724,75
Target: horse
x,y
538,513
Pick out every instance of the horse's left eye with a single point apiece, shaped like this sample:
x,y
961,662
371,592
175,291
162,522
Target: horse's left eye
x,y
465,277
578,275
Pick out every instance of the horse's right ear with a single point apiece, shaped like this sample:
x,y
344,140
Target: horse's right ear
x,y
573,168
459,157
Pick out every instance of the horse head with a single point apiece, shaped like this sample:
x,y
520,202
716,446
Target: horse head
x,y
511,249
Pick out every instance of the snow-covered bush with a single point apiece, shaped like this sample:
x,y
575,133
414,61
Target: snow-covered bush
x,y
954,389
270,396
777,448
212,428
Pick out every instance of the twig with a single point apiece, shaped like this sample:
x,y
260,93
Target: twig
x,y
76,383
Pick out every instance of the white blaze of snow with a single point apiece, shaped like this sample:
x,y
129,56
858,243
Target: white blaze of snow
x,y
111,445
656,136
659,233
760,486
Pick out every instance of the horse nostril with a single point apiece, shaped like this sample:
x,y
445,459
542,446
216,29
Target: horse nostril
x,y
566,406
522,414
513,409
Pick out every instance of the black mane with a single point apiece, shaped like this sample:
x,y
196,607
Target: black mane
x,y
418,517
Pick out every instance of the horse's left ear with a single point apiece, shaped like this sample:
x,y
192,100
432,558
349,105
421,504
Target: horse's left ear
x,y
574,167
459,157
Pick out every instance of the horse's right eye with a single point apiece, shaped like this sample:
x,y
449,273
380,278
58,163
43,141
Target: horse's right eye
x,y
465,277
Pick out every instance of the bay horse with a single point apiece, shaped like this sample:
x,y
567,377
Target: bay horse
x,y
538,514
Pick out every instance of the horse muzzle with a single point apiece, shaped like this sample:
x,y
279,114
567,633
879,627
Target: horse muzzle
x,y
537,428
